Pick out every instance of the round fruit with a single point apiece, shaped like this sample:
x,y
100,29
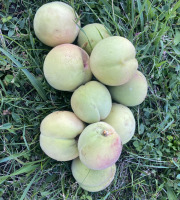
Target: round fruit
x,y
66,67
92,180
99,146
56,23
113,62
91,102
131,93
122,120
90,35
58,132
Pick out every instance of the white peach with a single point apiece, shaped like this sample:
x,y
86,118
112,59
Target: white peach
x,y
56,23
66,67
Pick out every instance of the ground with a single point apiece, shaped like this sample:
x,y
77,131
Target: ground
x,y
149,165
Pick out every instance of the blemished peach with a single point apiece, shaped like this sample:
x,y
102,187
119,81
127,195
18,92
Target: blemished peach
x,y
90,35
113,61
122,120
58,135
66,67
131,93
99,146
92,180
56,23
91,102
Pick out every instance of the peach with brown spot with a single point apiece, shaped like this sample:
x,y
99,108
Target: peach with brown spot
x,y
99,146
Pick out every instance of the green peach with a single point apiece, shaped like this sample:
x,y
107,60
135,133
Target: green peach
x,y
99,146
113,61
91,102
58,132
90,35
131,93
92,180
122,120
66,67
56,23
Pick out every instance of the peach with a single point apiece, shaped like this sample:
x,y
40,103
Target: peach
x,y
66,67
56,23
113,61
92,180
90,35
99,146
58,135
122,120
131,93
91,102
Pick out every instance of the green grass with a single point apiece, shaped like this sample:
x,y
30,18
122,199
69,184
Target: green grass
x,y
149,165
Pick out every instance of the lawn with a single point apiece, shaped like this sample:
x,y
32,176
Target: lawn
x,y
149,164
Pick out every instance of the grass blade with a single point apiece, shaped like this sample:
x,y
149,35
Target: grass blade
x,y
141,17
170,193
28,187
24,169
32,79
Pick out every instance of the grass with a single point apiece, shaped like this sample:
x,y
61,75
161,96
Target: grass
x,y
149,165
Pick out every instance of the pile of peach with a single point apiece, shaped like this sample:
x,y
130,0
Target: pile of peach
x,y
94,133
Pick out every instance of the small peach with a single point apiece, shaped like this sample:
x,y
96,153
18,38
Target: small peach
x,y
58,135
90,35
122,120
131,93
91,102
92,180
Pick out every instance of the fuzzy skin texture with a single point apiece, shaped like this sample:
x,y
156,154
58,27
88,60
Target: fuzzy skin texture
x,y
90,35
113,61
122,120
56,23
92,180
66,67
133,92
91,102
58,132
99,146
